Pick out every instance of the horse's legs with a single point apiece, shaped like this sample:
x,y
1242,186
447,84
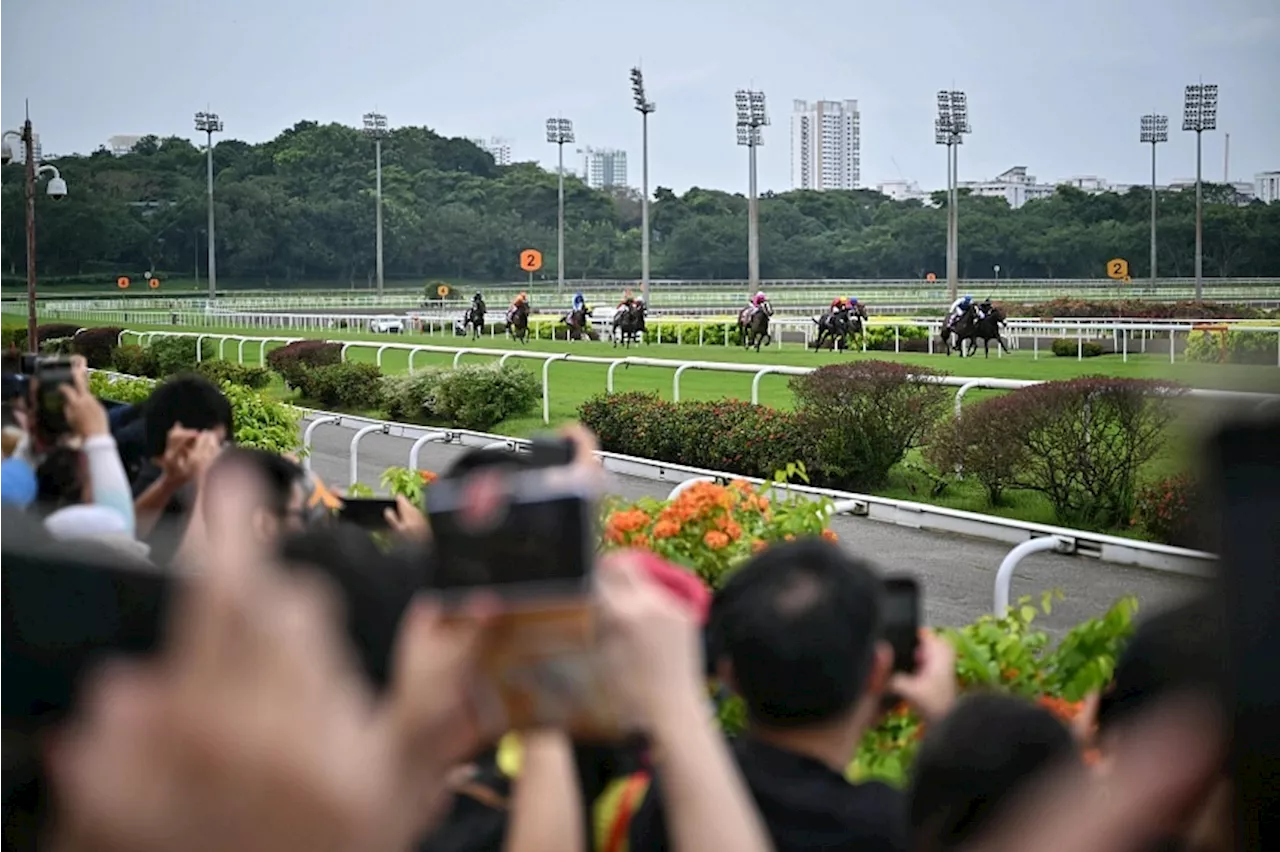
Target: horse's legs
x,y
986,347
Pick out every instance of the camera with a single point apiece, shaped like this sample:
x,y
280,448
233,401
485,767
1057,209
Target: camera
x,y
57,188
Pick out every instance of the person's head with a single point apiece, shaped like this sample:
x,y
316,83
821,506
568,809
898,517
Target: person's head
x,y
853,301
970,764
796,632
186,402
968,299
282,506
477,297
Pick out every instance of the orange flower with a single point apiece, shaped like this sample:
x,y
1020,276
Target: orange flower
x,y
1010,674
830,535
715,540
666,529
758,545
1060,707
640,540
629,520
733,531
788,537
427,476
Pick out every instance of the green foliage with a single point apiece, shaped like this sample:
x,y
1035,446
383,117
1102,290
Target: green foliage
x,y
133,360
411,396
298,210
57,346
406,483
178,354
219,371
1232,347
97,345
1070,348
986,442
130,391
349,385
296,360
478,396
1164,510
261,423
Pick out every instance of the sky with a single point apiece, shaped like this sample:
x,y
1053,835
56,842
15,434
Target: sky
x,y
1056,87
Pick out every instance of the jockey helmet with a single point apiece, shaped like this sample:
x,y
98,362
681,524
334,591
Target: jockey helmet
x,y
760,294
968,299
477,296
853,301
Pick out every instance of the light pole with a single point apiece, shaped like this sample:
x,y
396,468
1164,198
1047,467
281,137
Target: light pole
x,y
751,117
645,107
949,130
560,133
1200,113
209,124
1154,130
57,189
375,128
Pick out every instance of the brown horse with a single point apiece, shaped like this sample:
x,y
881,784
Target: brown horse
x,y
754,325
518,322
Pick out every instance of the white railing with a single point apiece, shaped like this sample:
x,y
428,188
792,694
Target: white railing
x,y
963,384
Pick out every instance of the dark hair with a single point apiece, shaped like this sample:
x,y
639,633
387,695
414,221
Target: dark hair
x,y
58,480
986,749
191,400
485,458
279,475
1180,649
799,625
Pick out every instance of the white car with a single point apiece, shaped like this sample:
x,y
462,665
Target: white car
x,y
387,325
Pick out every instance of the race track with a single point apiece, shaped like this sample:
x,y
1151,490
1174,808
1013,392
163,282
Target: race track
x,y
957,572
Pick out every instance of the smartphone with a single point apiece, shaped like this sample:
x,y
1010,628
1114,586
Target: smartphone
x,y
551,451
522,534
50,375
1245,461
63,611
366,513
902,617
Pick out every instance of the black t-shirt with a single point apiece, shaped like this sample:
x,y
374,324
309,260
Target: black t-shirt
x,y
805,806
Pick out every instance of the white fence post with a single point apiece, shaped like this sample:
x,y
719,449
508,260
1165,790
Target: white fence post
x,y
1004,576
546,386
308,432
384,428
416,449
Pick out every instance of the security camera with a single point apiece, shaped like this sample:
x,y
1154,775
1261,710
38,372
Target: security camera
x,y
57,188
6,154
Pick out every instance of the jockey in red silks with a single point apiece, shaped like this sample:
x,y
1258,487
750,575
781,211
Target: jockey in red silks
x,y
838,304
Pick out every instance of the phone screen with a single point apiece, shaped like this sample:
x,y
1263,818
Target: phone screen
x,y
527,539
367,513
65,610
902,620
51,374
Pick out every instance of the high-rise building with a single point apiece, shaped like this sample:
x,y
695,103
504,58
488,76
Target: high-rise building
x,y
826,145
499,149
20,150
122,144
1266,187
604,167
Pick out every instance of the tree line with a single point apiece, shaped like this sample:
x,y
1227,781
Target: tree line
x,y
300,209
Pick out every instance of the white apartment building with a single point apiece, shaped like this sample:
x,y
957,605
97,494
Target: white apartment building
x,y
20,150
1266,187
902,190
826,145
1014,185
123,143
499,149
604,167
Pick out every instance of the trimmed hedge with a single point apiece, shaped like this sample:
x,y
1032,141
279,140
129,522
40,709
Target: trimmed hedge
x,y
346,385
295,360
1071,348
1232,347
476,396
1136,308
219,371
97,345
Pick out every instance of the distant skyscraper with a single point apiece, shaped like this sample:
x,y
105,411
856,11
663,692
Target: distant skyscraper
x,y
826,145
499,149
604,167
1267,187
20,150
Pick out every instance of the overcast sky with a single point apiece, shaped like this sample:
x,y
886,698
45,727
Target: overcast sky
x,y
1057,87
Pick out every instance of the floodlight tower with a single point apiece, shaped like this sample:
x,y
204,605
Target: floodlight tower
x,y
209,123
1154,130
1200,113
560,133
645,107
949,129
375,128
751,117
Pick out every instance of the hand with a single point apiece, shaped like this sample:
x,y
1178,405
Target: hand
x,y
931,687
203,453
84,413
649,640
251,731
175,464
408,521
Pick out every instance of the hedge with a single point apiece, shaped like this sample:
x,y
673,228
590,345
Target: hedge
x,y
219,371
1233,347
1139,309
346,385
1071,348
293,361
97,345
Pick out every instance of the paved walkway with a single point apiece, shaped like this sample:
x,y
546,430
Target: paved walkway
x,y
957,572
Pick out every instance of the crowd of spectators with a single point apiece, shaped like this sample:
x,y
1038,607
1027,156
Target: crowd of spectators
x,y
308,690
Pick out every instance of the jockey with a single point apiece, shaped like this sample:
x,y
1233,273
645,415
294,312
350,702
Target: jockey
x,y
579,302
851,302
754,304
958,307
984,308
477,302
837,304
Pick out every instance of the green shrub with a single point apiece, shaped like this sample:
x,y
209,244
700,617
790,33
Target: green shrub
x,y
411,396
133,360
130,391
57,346
1233,347
178,354
986,442
295,360
881,338
348,385
863,417
16,336
219,371
478,396
1165,510
632,423
97,345
1065,347
261,423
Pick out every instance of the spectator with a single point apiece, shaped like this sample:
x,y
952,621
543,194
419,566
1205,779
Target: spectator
x,y
988,747
796,633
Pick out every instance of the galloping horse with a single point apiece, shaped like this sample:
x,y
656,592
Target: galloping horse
x,y
836,328
474,318
628,325
986,330
518,322
754,325
579,322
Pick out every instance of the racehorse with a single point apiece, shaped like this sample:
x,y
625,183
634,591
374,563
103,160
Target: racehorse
x,y
518,322
754,325
986,329
579,322
628,325
474,317
836,328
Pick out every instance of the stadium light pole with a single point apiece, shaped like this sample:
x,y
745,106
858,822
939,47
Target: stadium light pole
x,y
1154,130
560,133
949,130
209,123
751,117
375,128
1200,113
645,107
